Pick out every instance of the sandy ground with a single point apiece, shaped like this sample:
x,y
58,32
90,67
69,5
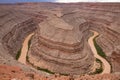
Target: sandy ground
x,y
24,49
106,65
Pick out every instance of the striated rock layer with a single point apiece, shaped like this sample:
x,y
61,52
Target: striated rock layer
x,y
105,22
61,34
60,48
14,27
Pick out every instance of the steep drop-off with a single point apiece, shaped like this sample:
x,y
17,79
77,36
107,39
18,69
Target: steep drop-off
x,y
60,48
61,34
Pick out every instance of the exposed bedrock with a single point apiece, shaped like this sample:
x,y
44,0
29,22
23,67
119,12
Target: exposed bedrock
x,y
13,39
61,48
106,23
14,27
60,41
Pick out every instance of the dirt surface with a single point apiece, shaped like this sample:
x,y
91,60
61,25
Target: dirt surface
x,y
24,49
60,43
16,73
106,65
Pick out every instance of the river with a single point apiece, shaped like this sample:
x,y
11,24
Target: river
x,y
24,49
106,65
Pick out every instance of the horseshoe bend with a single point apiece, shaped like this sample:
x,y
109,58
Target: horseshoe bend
x,y
72,40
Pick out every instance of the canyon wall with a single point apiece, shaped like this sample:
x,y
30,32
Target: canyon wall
x,y
61,34
103,21
61,48
14,27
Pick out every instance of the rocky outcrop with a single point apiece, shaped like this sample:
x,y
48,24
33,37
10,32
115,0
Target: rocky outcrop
x,y
14,72
57,44
101,20
60,41
14,27
16,36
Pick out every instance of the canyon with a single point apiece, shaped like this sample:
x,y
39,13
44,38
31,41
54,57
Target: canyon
x,y
60,43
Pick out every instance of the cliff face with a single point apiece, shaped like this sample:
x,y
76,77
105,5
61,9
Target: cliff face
x,y
61,34
56,34
15,26
103,21
60,48
13,39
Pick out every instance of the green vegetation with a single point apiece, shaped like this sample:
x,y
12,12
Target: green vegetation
x,y
48,71
98,61
27,58
29,43
18,54
99,49
101,53
64,74
42,69
45,70
111,67
100,70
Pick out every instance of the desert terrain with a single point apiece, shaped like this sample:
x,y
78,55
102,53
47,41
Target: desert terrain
x,y
57,41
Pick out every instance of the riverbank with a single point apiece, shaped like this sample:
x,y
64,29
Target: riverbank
x,y
106,65
24,49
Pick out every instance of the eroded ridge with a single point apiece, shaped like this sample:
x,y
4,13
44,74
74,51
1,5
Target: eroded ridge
x,y
63,39
60,49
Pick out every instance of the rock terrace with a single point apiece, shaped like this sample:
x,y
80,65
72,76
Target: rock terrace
x,y
55,47
61,33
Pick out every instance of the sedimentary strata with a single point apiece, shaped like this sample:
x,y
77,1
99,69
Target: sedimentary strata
x,y
61,34
14,27
105,22
60,47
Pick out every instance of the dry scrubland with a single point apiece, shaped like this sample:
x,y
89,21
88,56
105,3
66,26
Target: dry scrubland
x,y
60,41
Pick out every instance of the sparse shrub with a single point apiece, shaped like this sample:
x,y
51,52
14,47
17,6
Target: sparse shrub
x,y
64,74
29,43
27,58
45,70
18,54
99,49
98,70
98,61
